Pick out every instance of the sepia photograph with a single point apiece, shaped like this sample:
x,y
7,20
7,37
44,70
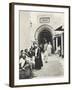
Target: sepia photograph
x,y
40,44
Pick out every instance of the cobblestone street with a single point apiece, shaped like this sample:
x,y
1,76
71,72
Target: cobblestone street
x,y
54,67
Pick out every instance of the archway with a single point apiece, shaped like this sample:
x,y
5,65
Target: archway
x,y
44,32
44,35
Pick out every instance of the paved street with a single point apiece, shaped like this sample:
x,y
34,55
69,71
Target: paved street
x,y
54,67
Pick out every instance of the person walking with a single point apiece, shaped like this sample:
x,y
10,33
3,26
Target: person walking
x,y
45,52
49,49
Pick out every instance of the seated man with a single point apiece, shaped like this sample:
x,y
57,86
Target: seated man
x,y
25,68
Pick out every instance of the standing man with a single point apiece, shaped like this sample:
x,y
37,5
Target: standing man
x,y
45,51
38,58
49,48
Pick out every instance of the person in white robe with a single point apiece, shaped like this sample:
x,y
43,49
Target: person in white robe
x,y
45,52
49,49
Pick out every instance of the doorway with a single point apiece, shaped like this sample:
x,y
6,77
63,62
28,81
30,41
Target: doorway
x,y
44,35
44,32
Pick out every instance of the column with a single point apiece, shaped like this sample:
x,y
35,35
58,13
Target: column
x,y
56,42
53,44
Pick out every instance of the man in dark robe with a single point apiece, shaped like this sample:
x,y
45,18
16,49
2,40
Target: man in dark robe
x,y
38,58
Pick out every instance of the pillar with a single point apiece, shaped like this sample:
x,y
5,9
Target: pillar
x,y
53,44
56,42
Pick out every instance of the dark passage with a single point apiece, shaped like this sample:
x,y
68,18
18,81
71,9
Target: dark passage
x,y
44,35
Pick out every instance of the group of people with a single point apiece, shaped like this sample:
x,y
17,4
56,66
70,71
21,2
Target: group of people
x,y
31,58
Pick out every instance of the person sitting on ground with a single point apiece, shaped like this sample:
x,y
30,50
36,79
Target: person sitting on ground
x,y
25,68
29,57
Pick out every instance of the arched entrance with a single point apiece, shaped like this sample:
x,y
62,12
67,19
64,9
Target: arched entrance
x,y
44,32
44,35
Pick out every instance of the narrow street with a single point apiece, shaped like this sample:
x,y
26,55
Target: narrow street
x,y
54,67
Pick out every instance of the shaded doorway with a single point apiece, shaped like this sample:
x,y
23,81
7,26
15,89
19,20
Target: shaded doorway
x,y
45,35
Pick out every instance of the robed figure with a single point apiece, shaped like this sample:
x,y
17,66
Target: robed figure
x,y
49,48
38,58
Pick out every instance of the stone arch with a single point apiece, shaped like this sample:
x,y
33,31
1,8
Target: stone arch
x,y
43,27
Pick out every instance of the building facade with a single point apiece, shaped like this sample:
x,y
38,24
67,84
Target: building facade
x,y
40,26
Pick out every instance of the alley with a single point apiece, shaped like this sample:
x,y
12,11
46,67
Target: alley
x,y
54,67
